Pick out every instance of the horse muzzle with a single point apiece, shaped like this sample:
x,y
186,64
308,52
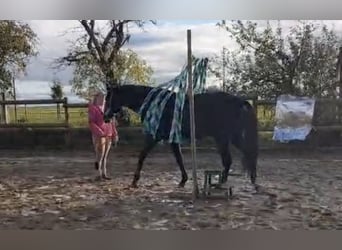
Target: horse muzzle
x,y
107,116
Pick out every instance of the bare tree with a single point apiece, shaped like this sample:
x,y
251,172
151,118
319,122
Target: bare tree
x,y
99,45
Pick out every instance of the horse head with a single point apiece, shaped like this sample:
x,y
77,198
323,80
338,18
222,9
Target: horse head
x,y
112,102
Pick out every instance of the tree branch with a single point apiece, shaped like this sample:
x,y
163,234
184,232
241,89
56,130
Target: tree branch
x,y
109,36
92,38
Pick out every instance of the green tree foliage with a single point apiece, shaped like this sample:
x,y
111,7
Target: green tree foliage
x,y
98,56
88,76
57,94
56,90
17,46
269,62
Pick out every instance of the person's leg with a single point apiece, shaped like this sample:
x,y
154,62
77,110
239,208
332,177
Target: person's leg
x,y
94,140
100,147
108,144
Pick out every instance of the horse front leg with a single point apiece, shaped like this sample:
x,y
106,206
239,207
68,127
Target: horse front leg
x,y
149,145
176,149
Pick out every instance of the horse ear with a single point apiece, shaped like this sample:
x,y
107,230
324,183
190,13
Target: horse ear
x,y
112,86
107,87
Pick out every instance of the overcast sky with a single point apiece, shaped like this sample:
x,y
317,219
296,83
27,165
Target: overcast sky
x,y
163,46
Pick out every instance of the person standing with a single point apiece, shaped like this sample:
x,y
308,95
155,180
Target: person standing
x,y
103,134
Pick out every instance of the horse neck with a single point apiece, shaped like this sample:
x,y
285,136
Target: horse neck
x,y
135,96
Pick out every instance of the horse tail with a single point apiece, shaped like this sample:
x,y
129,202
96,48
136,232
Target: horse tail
x,y
249,127
247,138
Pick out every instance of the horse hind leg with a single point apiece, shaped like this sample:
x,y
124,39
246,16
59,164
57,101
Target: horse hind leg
x,y
248,159
179,159
149,145
223,149
250,163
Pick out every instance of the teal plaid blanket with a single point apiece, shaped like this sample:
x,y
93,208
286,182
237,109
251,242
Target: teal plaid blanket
x,y
162,110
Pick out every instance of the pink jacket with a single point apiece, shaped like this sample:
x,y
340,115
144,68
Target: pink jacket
x,y
97,125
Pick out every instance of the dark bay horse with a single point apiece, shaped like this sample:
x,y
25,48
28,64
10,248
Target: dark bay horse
x,y
228,119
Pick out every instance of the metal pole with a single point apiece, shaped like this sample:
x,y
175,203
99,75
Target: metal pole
x,y
15,98
192,119
223,71
339,72
339,82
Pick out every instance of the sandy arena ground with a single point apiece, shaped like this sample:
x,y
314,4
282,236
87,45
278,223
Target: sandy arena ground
x,y
57,190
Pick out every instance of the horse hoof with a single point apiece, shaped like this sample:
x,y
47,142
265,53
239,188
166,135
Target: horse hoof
x,y
256,187
134,185
181,185
98,178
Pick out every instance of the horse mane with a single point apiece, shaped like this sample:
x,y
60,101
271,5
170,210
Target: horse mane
x,y
136,87
134,95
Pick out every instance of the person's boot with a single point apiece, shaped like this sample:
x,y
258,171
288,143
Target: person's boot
x,y
106,177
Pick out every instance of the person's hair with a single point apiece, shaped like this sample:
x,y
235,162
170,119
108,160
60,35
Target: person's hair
x,y
96,97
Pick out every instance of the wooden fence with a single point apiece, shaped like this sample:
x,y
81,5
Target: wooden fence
x,y
327,116
14,117
65,124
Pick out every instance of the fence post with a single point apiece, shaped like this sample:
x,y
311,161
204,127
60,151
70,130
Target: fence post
x,y
66,110
68,131
58,110
3,110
